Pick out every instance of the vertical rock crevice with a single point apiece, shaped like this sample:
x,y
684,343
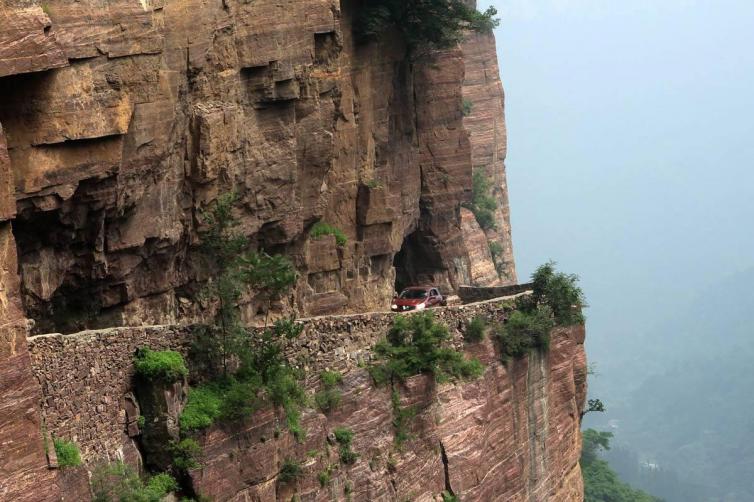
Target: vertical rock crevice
x,y
446,469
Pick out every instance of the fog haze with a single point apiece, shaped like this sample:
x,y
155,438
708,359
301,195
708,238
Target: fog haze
x,y
631,163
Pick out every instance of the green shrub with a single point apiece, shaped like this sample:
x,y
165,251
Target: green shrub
x,y
525,331
600,481
475,330
185,453
416,344
557,290
329,397
119,482
321,229
141,421
449,497
483,204
373,183
161,484
425,25
324,478
202,408
401,419
240,399
263,374
162,365
344,437
327,400
496,251
67,453
330,378
290,471
347,455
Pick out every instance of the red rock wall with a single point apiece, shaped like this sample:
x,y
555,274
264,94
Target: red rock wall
x,y
485,123
512,435
124,122
23,466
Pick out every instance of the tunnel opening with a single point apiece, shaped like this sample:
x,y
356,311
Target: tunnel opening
x,y
419,263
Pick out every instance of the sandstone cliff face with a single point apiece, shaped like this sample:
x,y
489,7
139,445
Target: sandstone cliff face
x,y
121,122
511,435
124,122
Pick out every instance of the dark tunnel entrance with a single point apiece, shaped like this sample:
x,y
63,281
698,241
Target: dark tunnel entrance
x,y
418,263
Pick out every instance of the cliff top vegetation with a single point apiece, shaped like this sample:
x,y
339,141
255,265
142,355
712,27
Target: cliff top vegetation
x,y
425,25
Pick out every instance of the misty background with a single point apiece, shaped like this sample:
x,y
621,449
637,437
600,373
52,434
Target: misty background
x,y
631,163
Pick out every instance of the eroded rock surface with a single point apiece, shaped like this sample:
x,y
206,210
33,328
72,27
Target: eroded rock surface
x,y
124,122
512,435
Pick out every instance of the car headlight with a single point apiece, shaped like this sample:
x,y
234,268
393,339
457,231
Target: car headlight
x,y
394,306
420,306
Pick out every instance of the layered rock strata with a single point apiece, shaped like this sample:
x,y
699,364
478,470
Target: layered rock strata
x,y
511,435
484,102
124,123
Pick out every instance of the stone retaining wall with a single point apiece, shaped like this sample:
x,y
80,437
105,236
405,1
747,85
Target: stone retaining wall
x,y
86,377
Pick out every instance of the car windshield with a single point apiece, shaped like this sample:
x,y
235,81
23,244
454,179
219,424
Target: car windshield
x,y
413,294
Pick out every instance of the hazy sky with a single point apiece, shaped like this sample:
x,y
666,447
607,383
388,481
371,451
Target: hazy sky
x,y
631,149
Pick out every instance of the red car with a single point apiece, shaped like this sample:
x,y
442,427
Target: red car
x,y
417,298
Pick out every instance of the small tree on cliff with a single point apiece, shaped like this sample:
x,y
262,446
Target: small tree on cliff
x,y
260,371
235,269
425,25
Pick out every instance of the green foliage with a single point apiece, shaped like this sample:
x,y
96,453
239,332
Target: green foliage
x,y
466,107
475,330
321,229
272,275
593,406
496,251
483,204
162,483
373,183
525,330
344,437
324,478
401,418
449,497
67,453
556,299
425,25
416,344
185,453
235,269
202,408
141,421
329,397
330,378
160,365
601,484
557,290
290,471
119,482
261,374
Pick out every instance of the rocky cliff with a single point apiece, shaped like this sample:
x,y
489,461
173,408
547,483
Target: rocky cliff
x,y
510,436
120,122
123,121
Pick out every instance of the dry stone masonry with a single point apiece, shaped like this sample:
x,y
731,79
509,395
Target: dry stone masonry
x,y
510,436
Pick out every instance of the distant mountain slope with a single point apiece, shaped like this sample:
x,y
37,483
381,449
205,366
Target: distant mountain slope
x,y
696,417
